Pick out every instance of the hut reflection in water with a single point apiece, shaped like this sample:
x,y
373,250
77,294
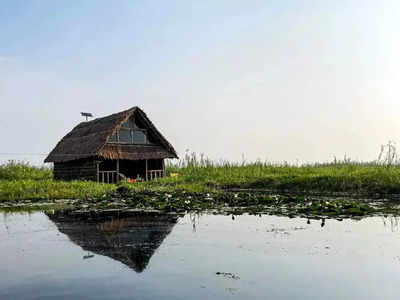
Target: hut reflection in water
x,y
130,240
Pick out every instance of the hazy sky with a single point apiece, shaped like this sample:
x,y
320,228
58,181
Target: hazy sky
x,y
274,80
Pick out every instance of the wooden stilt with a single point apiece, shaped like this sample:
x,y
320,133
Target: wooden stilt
x,y
97,170
117,179
147,177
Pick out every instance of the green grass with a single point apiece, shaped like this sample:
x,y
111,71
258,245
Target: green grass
x,y
22,170
28,189
20,181
327,178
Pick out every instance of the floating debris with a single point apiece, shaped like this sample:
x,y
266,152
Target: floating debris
x,y
87,256
228,275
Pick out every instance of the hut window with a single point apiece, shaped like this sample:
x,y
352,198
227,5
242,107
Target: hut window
x,y
130,124
129,133
125,136
139,137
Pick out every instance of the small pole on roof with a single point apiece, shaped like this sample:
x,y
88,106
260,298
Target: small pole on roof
x,y
87,115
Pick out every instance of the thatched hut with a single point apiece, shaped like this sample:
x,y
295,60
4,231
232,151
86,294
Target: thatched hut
x,y
122,145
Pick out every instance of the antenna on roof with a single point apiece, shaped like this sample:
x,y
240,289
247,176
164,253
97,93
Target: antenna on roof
x,y
87,115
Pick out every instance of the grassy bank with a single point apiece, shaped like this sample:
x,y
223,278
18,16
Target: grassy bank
x,y
205,186
19,181
340,177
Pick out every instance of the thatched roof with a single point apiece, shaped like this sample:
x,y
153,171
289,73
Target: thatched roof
x,y
89,139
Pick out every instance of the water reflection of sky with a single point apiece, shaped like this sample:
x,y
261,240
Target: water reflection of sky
x,y
275,258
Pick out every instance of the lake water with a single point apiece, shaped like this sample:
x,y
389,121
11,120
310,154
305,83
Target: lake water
x,y
197,257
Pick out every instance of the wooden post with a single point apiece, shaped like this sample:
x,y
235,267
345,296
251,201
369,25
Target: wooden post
x,y
97,171
147,177
117,171
163,168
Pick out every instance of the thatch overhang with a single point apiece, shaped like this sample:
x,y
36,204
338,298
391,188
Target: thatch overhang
x,y
89,139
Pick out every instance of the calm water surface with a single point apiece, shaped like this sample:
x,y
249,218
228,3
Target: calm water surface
x,y
55,257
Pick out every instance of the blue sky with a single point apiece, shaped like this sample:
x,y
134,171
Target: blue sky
x,y
276,80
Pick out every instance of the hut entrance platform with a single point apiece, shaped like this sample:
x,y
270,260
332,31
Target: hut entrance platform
x,y
113,171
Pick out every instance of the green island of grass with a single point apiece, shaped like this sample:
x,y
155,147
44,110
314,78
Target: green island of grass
x,y
339,189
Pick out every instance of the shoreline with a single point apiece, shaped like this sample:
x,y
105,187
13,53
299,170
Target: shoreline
x,y
226,202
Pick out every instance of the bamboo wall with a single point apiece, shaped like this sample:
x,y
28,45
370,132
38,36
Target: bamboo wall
x,y
83,169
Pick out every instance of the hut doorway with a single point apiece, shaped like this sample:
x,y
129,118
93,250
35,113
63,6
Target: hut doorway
x,y
133,169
